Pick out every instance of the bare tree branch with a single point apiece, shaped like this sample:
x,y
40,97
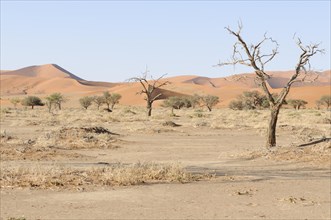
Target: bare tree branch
x,y
149,87
254,57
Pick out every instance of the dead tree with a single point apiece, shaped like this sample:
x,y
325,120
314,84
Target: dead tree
x,y
150,88
252,56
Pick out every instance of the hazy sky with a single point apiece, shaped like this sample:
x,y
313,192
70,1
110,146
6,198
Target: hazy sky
x,y
115,40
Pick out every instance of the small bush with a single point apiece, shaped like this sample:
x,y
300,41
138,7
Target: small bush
x,y
251,100
15,101
236,105
32,101
55,99
297,103
324,101
209,101
98,100
86,101
111,100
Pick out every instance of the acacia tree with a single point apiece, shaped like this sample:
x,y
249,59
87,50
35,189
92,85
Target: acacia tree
x,y
325,100
98,100
252,99
115,99
57,99
174,102
111,100
252,56
194,100
150,89
209,101
86,101
32,101
297,103
107,100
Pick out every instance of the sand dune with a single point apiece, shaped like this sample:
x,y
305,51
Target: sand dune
x,y
280,78
43,71
51,78
242,80
46,79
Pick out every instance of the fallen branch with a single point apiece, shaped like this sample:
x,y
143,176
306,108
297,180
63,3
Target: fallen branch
x,y
315,142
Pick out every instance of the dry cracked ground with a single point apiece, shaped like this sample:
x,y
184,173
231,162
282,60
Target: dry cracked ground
x,y
77,164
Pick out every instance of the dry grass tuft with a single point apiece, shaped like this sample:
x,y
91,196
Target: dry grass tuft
x,y
116,175
10,152
51,144
19,218
318,154
78,138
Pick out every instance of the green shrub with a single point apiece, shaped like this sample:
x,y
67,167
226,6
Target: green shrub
x,y
32,101
297,103
209,101
86,101
324,101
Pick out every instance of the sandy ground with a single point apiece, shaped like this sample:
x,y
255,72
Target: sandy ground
x,y
243,187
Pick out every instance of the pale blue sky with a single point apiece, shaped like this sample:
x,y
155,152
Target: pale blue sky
x,y
115,40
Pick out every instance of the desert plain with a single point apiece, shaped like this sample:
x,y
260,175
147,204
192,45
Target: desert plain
x,y
194,164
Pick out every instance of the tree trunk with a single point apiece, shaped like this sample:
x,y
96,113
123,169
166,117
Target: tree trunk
x,y
49,106
209,108
32,106
149,109
271,141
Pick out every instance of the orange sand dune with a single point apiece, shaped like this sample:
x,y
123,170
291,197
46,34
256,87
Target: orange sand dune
x,y
43,71
280,78
46,79
51,78
243,80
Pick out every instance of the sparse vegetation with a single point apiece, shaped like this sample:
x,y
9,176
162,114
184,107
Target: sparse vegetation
x,y
111,175
194,100
32,101
115,99
111,100
174,102
99,100
297,103
236,105
86,101
251,100
209,101
15,101
324,101
55,99
19,218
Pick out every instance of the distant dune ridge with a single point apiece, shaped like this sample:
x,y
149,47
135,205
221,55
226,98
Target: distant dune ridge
x,y
45,79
